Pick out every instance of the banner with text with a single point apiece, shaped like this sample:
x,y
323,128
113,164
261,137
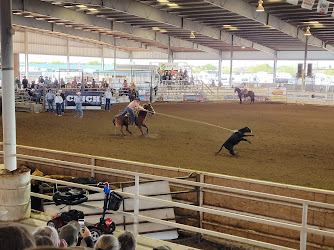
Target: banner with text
x,y
89,98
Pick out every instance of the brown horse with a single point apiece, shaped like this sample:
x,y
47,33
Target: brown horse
x,y
245,95
140,120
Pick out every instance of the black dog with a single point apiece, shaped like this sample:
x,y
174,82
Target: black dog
x,y
235,138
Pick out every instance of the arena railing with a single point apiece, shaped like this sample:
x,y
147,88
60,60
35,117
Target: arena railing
x,y
303,228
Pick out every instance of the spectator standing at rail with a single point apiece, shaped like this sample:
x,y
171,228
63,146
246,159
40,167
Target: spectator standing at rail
x,y
127,241
50,97
93,84
47,81
25,82
74,83
63,103
78,100
40,90
108,96
41,80
62,83
58,100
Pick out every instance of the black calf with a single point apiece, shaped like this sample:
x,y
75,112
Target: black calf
x,y
234,139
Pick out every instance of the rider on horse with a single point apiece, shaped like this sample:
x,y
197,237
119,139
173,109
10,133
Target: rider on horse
x,y
132,107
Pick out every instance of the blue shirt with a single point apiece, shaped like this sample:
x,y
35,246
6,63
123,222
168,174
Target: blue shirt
x,y
78,99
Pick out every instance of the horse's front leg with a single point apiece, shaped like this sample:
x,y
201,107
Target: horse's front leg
x,y
122,130
240,99
140,130
146,129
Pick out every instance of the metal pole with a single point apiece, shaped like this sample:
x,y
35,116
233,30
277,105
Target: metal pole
x,y
168,49
68,56
275,67
220,68
304,70
8,92
131,62
102,59
136,206
26,60
114,60
231,62
303,233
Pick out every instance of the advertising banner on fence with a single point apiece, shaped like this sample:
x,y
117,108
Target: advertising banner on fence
x,y
169,66
277,94
92,99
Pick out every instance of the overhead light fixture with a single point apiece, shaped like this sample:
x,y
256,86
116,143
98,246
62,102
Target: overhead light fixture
x,y
227,25
155,28
163,31
234,28
81,6
243,47
260,6
307,32
192,35
163,1
92,9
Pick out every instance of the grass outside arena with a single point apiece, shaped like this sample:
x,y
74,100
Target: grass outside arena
x,y
292,144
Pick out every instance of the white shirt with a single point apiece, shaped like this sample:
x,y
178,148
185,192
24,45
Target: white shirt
x,y
108,94
58,99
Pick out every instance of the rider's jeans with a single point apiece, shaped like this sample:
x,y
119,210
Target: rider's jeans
x,y
128,110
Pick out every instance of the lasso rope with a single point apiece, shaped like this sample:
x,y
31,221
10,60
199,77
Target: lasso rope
x,y
191,120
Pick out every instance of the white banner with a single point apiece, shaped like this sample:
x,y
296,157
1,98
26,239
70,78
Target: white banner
x,y
308,4
294,2
323,6
169,66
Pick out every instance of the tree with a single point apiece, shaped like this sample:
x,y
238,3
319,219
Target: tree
x,y
94,63
287,69
261,67
208,67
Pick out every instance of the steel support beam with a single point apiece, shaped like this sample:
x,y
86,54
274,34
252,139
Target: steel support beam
x,y
8,91
44,8
247,10
163,17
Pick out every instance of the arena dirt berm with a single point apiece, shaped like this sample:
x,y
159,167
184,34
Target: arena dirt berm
x,y
293,144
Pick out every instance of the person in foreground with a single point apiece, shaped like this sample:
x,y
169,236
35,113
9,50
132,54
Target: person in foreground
x,y
127,241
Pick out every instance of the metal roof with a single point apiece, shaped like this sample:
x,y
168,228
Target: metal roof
x,y
141,25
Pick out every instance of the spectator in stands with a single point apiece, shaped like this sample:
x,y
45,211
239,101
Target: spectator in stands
x,y
15,237
50,232
25,82
40,91
32,85
127,241
17,83
74,83
78,100
62,83
70,233
47,81
41,80
108,96
107,242
56,83
93,84
43,240
58,100
50,97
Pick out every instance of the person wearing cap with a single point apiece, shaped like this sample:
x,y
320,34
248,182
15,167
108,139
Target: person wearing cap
x,y
70,233
108,96
130,108
58,100
50,97
78,100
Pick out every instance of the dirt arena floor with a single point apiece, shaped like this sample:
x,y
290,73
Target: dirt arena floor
x,y
292,144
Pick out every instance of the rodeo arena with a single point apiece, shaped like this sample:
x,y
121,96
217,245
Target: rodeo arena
x,y
142,150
